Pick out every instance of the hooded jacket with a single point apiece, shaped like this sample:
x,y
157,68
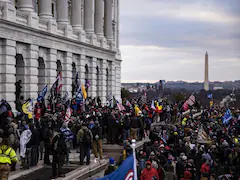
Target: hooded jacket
x,y
148,174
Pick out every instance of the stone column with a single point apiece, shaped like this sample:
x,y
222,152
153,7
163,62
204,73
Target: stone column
x,y
26,6
81,68
8,71
89,16
31,76
45,9
67,73
89,20
51,67
62,11
76,15
92,77
77,19
118,80
103,81
99,15
112,78
108,20
45,14
62,17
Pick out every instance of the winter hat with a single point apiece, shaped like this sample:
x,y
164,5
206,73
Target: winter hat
x,y
184,158
96,122
162,146
111,161
187,174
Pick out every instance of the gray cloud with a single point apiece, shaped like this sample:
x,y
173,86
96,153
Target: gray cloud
x,y
168,40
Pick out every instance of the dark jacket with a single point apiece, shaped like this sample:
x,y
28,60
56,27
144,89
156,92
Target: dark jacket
x,y
126,123
59,145
97,130
135,122
35,138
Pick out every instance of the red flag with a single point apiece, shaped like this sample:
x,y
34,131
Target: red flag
x,y
185,106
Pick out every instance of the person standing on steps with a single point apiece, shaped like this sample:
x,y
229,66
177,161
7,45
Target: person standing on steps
x,y
85,139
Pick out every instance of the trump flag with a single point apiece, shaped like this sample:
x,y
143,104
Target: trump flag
x,y
124,172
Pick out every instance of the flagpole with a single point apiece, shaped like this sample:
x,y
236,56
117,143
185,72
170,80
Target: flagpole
x,y
134,159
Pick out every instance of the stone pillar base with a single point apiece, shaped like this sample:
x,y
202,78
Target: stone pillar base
x,y
68,31
81,35
103,41
51,24
92,37
7,11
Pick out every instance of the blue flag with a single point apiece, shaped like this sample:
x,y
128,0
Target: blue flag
x,y
209,96
79,96
42,94
124,172
227,116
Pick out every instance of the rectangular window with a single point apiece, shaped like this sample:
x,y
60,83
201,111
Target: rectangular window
x,y
53,13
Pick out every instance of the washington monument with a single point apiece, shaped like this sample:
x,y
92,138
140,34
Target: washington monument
x,y
206,80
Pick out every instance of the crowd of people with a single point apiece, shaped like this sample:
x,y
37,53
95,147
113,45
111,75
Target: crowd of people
x,y
192,149
175,150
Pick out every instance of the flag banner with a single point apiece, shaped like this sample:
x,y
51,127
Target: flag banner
x,y
27,108
191,100
143,99
84,92
77,82
68,115
109,97
153,106
59,77
120,107
54,88
65,98
128,103
79,96
227,116
42,94
209,96
185,106
124,172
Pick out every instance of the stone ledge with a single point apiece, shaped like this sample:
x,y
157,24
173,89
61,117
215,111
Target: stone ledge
x,y
86,171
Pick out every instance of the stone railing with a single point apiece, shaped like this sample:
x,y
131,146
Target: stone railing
x,y
43,25
21,18
75,36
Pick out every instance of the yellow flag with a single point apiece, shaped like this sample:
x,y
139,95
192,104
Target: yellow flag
x,y
27,109
84,92
211,103
136,110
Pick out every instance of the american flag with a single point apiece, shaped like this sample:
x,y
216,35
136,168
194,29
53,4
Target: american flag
x,y
191,100
143,99
56,85
128,103
120,106
109,97
185,106
68,115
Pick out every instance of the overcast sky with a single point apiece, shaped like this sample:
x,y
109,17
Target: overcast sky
x,y
168,39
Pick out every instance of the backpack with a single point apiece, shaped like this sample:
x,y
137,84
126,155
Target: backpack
x,y
87,137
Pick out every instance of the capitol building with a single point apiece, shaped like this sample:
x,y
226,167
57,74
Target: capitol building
x,y
39,38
